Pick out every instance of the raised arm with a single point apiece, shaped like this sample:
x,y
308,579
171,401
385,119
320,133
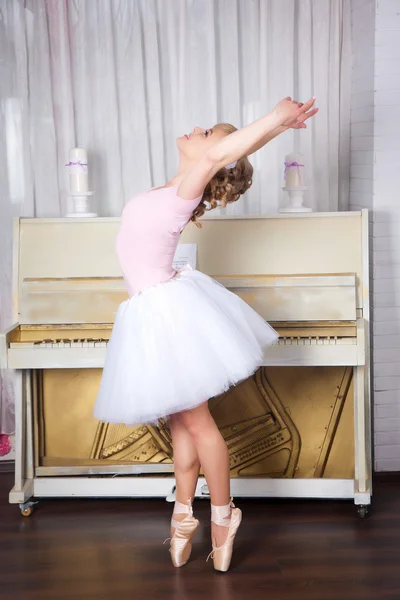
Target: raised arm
x,y
270,136
244,142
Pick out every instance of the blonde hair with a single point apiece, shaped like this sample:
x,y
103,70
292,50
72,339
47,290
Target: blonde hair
x,y
227,185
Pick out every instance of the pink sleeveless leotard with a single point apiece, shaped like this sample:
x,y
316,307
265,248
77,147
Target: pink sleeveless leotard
x,y
149,232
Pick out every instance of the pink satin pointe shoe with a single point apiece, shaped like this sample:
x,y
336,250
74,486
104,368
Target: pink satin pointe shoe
x,y
181,541
222,555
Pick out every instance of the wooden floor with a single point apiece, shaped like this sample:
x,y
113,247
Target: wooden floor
x,y
102,550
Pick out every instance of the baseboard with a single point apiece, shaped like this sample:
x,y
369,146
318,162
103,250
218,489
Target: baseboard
x,y
7,466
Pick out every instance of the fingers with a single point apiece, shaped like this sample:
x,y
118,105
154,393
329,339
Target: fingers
x,y
311,113
307,115
307,105
297,112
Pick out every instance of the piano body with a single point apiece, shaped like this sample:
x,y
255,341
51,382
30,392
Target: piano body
x,y
307,274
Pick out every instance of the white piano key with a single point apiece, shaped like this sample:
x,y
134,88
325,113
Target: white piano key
x,y
76,344
21,344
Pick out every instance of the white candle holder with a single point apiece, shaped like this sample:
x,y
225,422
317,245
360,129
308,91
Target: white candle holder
x,y
296,198
81,206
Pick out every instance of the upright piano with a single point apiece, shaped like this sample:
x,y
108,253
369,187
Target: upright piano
x,y
299,428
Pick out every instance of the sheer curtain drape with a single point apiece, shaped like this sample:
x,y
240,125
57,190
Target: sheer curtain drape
x,y
123,78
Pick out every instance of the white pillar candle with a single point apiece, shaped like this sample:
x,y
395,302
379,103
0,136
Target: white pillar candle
x,y
78,172
294,170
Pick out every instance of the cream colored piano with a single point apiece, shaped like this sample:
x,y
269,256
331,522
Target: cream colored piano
x,y
299,428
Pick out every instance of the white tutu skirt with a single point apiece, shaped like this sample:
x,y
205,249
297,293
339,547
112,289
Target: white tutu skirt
x,y
175,345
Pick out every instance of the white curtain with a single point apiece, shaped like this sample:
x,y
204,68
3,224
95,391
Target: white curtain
x,y
124,78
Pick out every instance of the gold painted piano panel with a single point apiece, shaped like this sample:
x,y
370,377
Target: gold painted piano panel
x,y
283,422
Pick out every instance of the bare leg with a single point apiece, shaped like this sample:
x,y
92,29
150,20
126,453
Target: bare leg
x,y
186,463
214,459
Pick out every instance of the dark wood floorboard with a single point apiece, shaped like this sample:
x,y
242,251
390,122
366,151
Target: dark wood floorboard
x,y
112,550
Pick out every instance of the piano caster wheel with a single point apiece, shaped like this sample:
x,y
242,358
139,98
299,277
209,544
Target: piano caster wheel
x,y
362,510
27,508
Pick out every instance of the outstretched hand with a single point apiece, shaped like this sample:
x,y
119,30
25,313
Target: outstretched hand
x,y
292,114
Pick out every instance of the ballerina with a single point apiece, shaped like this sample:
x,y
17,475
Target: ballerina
x,y
181,337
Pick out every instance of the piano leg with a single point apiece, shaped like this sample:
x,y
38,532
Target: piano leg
x,y
23,485
362,476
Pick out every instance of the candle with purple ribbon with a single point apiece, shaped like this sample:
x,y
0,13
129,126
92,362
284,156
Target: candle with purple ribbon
x,y
78,193
78,172
294,184
294,171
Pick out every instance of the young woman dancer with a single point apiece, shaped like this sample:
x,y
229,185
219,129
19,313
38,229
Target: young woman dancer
x,y
182,338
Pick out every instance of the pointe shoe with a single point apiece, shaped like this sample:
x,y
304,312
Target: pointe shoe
x,y
222,555
181,541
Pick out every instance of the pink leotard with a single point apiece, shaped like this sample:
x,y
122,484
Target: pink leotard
x,y
149,232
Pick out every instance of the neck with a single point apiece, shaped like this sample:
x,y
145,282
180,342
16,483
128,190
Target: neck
x,y
183,169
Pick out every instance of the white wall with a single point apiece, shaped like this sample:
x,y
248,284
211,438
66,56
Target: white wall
x,y
375,171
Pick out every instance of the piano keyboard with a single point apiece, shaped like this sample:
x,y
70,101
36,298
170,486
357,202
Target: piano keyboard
x,y
83,343
87,353
102,343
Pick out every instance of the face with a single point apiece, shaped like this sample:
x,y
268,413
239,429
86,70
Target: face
x,y
195,144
